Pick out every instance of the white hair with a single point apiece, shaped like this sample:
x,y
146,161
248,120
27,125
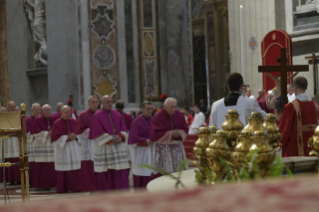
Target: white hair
x,y
46,105
91,97
170,99
35,104
10,102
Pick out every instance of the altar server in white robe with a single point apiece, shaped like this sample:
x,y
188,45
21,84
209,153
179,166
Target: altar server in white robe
x,y
67,153
140,146
234,100
199,120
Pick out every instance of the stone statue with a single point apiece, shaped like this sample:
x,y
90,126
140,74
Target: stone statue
x,y
310,1
36,14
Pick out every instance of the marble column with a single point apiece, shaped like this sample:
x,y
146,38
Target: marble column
x,y
175,49
4,71
19,52
63,51
85,44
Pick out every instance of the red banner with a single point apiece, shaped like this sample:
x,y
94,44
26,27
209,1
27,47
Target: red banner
x,y
270,51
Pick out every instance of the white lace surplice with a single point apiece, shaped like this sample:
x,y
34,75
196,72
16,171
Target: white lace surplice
x,y
168,154
11,147
67,154
30,147
86,145
140,155
43,149
109,156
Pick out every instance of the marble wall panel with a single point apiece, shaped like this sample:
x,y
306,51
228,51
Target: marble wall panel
x,y
4,71
149,56
104,48
130,50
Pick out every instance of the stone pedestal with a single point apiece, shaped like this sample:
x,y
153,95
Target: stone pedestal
x,y
4,72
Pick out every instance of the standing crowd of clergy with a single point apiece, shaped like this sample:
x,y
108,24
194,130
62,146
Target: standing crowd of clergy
x,y
96,150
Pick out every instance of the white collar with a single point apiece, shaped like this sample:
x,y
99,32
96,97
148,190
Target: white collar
x,y
304,97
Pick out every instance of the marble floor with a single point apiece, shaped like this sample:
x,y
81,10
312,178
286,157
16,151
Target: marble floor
x,y
42,194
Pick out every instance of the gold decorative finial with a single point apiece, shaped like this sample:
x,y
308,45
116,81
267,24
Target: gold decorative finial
x,y
23,106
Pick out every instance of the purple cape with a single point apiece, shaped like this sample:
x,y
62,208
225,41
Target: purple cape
x,y
56,116
101,123
140,129
29,122
40,124
162,123
84,121
127,119
60,127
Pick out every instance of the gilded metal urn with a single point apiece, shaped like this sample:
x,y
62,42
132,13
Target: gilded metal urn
x,y
272,131
255,123
201,145
265,155
313,143
212,132
218,149
244,144
233,126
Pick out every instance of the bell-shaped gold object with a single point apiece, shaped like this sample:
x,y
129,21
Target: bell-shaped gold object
x,y
313,143
201,145
265,155
218,149
233,126
244,143
255,123
212,130
272,131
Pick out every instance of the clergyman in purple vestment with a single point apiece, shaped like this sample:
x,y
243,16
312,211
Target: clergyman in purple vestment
x,y
57,115
169,130
119,107
140,147
36,111
44,175
88,177
109,153
67,153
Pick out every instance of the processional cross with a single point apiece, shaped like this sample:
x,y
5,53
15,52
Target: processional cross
x,y
313,58
283,69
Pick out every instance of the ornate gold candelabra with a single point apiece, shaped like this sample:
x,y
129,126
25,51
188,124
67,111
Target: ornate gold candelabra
x,y
200,147
272,131
244,143
313,143
265,155
218,149
233,126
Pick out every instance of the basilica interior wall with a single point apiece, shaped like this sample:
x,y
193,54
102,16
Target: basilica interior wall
x,y
259,17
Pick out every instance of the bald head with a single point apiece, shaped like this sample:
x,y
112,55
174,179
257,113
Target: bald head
x,y
11,106
65,112
170,105
59,106
107,102
46,109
